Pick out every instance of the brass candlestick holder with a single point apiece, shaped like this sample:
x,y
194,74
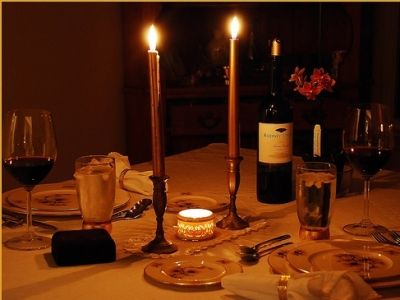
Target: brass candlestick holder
x,y
232,220
159,244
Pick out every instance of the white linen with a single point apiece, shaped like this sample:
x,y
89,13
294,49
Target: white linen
x,y
341,285
133,180
32,274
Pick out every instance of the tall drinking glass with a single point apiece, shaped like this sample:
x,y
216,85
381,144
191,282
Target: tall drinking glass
x,y
368,143
95,187
315,194
29,152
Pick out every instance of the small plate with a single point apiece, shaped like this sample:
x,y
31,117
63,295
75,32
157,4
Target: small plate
x,y
58,199
180,201
371,261
279,265
191,271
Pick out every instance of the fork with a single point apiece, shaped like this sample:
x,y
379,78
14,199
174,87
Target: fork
x,y
379,237
395,236
134,212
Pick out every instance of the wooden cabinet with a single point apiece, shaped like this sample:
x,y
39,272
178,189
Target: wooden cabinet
x,y
193,51
198,116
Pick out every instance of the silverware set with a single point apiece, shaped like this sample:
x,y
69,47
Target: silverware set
x,y
250,255
386,236
13,220
134,212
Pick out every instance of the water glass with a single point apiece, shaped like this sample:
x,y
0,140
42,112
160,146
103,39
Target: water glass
x,y
315,194
95,186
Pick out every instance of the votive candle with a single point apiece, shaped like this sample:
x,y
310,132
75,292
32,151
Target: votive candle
x,y
195,224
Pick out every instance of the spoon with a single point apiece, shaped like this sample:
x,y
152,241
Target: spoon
x,y
255,257
252,250
134,212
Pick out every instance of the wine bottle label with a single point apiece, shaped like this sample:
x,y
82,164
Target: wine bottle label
x,y
317,141
275,142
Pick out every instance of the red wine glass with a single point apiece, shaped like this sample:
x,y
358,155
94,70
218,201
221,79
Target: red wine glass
x,y
368,143
29,152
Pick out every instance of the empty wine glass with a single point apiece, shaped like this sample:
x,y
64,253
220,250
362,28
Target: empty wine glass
x,y
368,143
29,152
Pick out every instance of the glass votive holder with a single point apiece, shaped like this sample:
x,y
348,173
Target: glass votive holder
x,y
195,224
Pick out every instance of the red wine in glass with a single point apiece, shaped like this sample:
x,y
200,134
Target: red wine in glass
x,y
368,143
29,153
368,160
29,171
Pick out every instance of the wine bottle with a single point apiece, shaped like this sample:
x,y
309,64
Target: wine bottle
x,y
275,139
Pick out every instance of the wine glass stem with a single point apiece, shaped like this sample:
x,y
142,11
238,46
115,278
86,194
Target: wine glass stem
x,y
29,209
366,219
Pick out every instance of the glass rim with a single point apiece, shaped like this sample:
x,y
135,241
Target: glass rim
x,y
29,110
368,103
86,159
313,166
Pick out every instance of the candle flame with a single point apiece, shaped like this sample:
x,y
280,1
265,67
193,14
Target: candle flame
x,y
152,38
235,27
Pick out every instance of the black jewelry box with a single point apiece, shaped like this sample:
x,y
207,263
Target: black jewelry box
x,y
79,247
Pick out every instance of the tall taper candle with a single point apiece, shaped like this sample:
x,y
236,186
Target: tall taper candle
x,y
233,114
156,106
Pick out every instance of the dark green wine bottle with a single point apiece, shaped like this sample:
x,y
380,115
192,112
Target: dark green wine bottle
x,y
275,139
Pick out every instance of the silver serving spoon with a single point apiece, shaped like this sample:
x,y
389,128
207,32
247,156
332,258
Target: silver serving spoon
x,y
251,258
253,250
134,212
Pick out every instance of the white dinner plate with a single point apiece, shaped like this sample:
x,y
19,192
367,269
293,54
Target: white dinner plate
x,y
278,259
185,200
191,271
279,264
56,199
370,260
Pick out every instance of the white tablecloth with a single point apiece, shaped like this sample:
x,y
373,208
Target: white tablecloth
x,y
33,275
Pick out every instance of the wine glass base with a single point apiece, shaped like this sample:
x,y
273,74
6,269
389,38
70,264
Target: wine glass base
x,y
361,229
28,241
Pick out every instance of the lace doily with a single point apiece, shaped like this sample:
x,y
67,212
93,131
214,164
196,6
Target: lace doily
x,y
134,243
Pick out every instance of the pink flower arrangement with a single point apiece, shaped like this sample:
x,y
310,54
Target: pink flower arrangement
x,y
319,81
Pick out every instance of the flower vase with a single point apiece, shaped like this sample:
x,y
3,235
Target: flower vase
x,y
315,118
311,88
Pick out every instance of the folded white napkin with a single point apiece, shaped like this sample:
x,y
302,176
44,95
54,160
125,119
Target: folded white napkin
x,y
134,181
340,285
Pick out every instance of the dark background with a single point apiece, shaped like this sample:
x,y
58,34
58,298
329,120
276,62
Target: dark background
x,y
87,63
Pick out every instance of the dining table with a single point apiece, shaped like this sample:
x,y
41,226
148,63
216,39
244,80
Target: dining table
x,y
197,173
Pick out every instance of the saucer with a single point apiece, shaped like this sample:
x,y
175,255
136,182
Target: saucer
x,y
191,271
